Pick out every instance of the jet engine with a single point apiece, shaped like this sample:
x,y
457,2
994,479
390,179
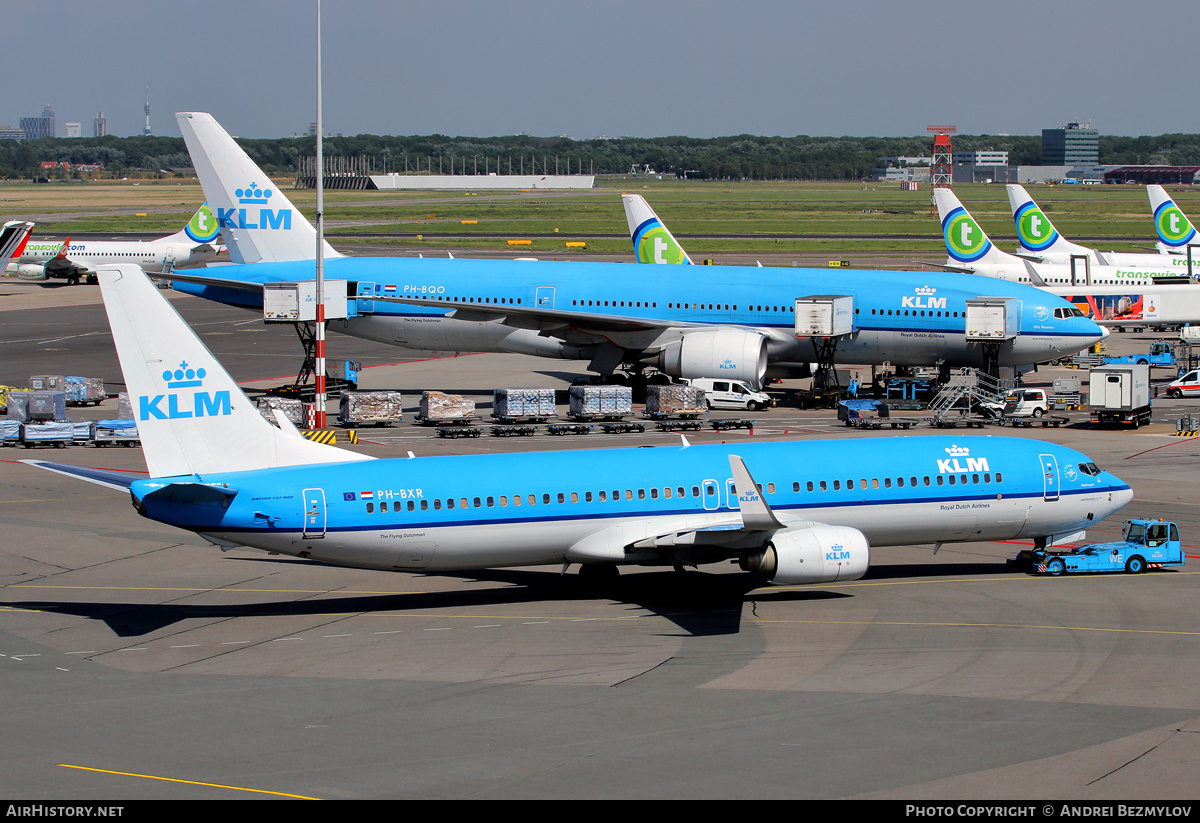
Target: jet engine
x,y
32,271
731,353
817,554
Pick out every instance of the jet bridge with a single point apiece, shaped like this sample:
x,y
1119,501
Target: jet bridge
x,y
824,320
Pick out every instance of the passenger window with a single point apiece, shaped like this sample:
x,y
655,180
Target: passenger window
x,y
837,485
562,498
424,505
383,506
603,496
370,508
478,503
654,494
574,497
823,486
437,504
412,507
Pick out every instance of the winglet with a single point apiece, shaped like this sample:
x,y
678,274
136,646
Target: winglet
x,y
652,241
756,514
13,237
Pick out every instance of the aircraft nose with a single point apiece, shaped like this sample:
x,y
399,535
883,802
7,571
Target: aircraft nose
x,y
1105,333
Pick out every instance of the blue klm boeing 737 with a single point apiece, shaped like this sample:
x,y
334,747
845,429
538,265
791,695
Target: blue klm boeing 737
x,y
737,322
793,512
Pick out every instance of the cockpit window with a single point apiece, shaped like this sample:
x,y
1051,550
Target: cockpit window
x,y
1090,469
1069,311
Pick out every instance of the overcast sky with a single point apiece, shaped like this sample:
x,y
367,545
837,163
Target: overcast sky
x,y
609,67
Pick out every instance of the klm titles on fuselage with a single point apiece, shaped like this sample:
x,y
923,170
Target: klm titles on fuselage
x,y
923,302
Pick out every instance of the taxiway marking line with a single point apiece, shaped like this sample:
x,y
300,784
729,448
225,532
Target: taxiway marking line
x,y
188,782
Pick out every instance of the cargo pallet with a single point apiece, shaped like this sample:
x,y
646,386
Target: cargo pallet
x,y
455,430
880,422
955,422
722,425
678,425
513,431
623,427
1055,420
569,428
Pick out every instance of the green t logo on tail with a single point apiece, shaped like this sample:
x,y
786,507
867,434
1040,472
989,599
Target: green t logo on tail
x,y
203,226
656,245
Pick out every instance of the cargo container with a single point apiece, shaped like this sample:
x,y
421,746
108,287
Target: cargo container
x,y
83,390
439,407
47,406
600,402
523,405
380,408
684,401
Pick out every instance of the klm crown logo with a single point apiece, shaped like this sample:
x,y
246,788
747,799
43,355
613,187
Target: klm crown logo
x,y
958,451
182,404
183,377
925,290
253,194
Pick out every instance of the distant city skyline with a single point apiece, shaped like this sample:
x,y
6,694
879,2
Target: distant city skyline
x,y
645,69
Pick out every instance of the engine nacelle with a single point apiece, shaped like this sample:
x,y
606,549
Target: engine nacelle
x,y
817,554
731,353
32,271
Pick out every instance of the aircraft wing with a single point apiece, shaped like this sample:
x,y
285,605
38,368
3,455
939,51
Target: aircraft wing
x,y
745,530
540,317
193,276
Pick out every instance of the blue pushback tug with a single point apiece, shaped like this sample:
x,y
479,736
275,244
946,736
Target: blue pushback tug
x,y
1148,544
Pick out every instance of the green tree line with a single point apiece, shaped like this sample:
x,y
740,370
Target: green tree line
x,y
738,157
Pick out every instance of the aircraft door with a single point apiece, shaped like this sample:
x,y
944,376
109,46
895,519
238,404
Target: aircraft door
x,y
544,297
1049,477
314,513
731,495
169,260
711,492
366,290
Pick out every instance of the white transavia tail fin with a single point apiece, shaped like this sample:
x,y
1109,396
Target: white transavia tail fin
x,y
966,242
256,219
201,229
191,416
1035,232
13,237
1174,229
652,242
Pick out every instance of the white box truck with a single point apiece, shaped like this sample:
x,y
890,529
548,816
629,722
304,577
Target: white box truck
x,y
1119,395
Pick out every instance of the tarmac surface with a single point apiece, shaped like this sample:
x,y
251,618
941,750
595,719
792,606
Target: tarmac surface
x,y
139,661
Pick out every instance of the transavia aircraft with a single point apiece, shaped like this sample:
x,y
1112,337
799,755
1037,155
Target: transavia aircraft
x,y
970,250
1042,243
1175,232
702,322
793,512
193,245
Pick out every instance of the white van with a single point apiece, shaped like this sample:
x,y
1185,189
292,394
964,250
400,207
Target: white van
x,y
1186,386
731,394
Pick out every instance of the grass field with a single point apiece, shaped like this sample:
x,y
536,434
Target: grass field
x,y
710,218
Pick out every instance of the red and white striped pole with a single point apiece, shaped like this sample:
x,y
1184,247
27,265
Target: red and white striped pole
x,y
320,352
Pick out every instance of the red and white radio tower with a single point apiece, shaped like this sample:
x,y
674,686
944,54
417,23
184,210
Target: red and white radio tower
x,y
941,171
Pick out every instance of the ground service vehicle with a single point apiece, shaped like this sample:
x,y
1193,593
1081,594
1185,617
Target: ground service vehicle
x,y
731,394
1147,544
1120,395
1186,386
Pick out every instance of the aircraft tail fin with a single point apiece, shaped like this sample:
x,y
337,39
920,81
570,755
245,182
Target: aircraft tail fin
x,y
966,241
1174,229
202,228
13,237
192,417
652,241
1035,232
256,219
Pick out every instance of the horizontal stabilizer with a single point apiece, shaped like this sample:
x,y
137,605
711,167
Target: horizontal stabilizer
x,y
118,481
193,493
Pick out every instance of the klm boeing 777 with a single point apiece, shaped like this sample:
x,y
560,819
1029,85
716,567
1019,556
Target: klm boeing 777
x,y
792,512
713,321
193,245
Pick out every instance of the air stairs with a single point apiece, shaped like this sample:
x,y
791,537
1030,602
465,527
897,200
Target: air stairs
x,y
968,399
